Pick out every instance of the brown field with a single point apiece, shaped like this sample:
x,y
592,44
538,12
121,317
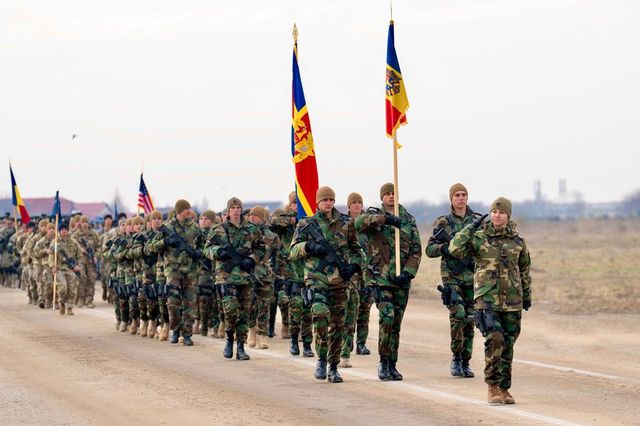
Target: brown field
x,y
578,266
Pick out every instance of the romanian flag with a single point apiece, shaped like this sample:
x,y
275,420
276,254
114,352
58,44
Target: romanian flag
x,y
396,103
144,199
302,150
17,199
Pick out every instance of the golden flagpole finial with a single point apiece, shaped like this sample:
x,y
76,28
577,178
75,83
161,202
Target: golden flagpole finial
x,y
295,33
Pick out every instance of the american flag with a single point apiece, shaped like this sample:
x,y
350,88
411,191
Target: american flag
x,y
144,199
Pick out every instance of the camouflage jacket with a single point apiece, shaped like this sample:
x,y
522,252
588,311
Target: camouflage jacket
x,y
144,266
28,247
41,251
20,242
176,259
246,239
106,253
340,234
358,279
204,265
286,269
68,249
381,247
119,252
90,244
152,249
271,260
502,265
452,269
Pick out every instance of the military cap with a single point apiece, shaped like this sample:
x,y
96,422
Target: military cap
x,y
234,201
260,211
83,219
353,197
325,193
63,225
503,204
455,188
387,187
210,214
137,221
181,205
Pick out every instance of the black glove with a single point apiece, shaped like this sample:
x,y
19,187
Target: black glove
x,y
223,254
392,220
197,254
247,264
314,248
444,249
526,305
402,280
348,271
477,222
172,240
108,244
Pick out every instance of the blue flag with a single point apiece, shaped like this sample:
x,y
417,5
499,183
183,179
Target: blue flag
x,y
56,207
115,212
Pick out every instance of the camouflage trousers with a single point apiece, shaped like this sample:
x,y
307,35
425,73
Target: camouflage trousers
x,y
236,302
37,272
205,294
180,303
115,283
123,300
391,309
24,277
47,284
364,313
299,315
87,284
66,286
32,289
353,302
461,322
498,348
131,283
163,311
328,312
259,313
148,300
280,300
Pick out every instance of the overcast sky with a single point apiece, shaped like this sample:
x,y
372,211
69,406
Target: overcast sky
x,y
502,93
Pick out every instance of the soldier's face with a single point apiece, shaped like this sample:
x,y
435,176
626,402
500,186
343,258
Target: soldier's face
x,y
499,218
459,200
137,227
183,215
388,199
50,233
108,222
64,232
156,223
355,208
84,226
255,219
326,205
205,222
128,229
294,206
234,213
42,227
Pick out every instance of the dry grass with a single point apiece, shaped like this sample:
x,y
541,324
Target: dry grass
x,y
578,267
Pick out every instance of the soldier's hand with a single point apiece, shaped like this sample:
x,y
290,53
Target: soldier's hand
x,y
392,221
477,222
444,249
526,305
172,241
314,248
247,264
223,254
197,254
76,268
350,270
402,280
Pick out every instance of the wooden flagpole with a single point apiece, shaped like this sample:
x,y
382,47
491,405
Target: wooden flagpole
x,y
55,264
396,200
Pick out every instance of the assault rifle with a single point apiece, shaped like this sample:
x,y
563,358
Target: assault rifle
x,y
443,237
236,258
332,257
71,263
181,245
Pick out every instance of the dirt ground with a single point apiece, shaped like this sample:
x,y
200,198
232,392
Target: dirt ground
x,y
62,370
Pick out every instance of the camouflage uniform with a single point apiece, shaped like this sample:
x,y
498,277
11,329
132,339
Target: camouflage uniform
x,y
207,303
381,273
45,291
263,291
111,271
66,280
287,273
145,269
329,287
34,269
124,279
457,279
6,255
501,285
90,243
24,269
150,249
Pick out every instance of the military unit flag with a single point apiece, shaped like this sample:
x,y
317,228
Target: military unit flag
x,y
396,102
144,199
302,149
17,199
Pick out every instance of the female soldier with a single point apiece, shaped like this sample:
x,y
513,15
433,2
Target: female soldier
x,y
502,288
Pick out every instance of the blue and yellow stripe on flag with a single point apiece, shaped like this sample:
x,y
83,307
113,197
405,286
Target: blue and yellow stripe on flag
x,y
17,199
396,102
302,150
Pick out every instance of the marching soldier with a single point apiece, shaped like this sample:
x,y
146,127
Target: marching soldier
x,y
328,244
41,253
205,291
89,241
392,289
67,269
502,288
457,278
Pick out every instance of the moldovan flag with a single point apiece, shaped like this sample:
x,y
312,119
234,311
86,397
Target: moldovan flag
x,y
396,103
17,199
302,149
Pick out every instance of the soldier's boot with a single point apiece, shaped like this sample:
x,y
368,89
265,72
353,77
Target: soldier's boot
x,y
90,305
41,304
262,341
69,310
393,372
228,347
272,326
187,340
321,369
104,294
204,329
118,325
144,326
294,349
345,362
284,330
221,332
175,336
133,328
456,366
164,333
306,350
361,349
506,396
196,326
151,329
251,340
466,370
333,376
494,396
123,326
80,303
383,370
61,310
241,355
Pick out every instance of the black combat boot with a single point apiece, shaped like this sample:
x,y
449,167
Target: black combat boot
x,y
241,355
228,347
456,366
306,350
466,369
295,348
383,370
321,369
272,320
187,340
204,329
175,334
334,376
361,349
393,373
